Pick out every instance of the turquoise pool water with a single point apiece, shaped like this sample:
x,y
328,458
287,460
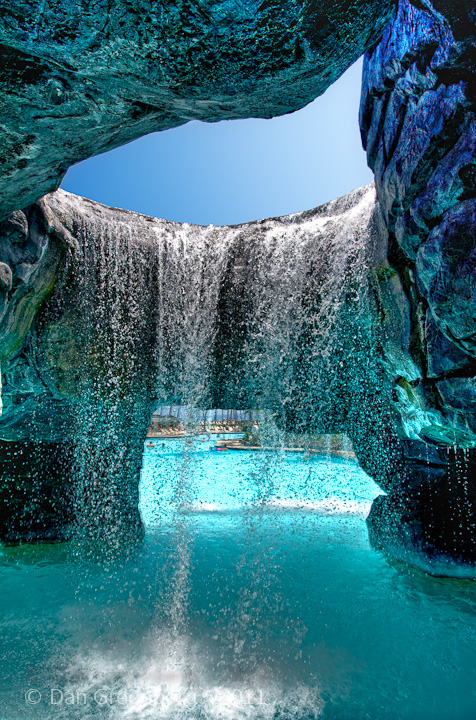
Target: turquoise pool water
x,y
255,595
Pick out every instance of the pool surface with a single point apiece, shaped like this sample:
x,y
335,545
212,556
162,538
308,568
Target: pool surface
x,y
255,595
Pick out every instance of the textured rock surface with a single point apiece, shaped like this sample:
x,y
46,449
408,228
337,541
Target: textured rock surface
x,y
77,79
418,125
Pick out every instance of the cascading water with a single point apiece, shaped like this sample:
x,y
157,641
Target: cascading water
x,y
114,325
272,315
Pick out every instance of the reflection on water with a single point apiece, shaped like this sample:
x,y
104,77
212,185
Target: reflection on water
x,y
255,595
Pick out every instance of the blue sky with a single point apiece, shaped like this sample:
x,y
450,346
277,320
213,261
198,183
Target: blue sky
x,y
237,170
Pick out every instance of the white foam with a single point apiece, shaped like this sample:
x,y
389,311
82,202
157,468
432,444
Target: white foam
x,y
175,682
328,506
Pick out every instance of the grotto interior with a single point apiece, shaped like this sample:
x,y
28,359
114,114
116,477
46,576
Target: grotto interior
x,y
356,317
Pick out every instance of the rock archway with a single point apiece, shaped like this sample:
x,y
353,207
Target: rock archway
x,y
77,79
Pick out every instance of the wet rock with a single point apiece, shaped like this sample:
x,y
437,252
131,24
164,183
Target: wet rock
x,y
445,266
417,121
15,228
30,260
5,278
433,525
418,126
459,393
444,357
396,326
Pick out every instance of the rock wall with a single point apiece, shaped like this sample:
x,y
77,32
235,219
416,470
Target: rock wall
x,y
77,79
418,126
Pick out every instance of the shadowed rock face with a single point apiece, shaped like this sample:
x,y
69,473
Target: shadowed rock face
x,y
461,15
79,79
419,128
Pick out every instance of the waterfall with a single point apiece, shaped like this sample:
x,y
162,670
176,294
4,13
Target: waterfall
x,y
219,312
257,316
272,315
111,320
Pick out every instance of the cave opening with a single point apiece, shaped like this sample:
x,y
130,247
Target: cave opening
x,y
236,171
